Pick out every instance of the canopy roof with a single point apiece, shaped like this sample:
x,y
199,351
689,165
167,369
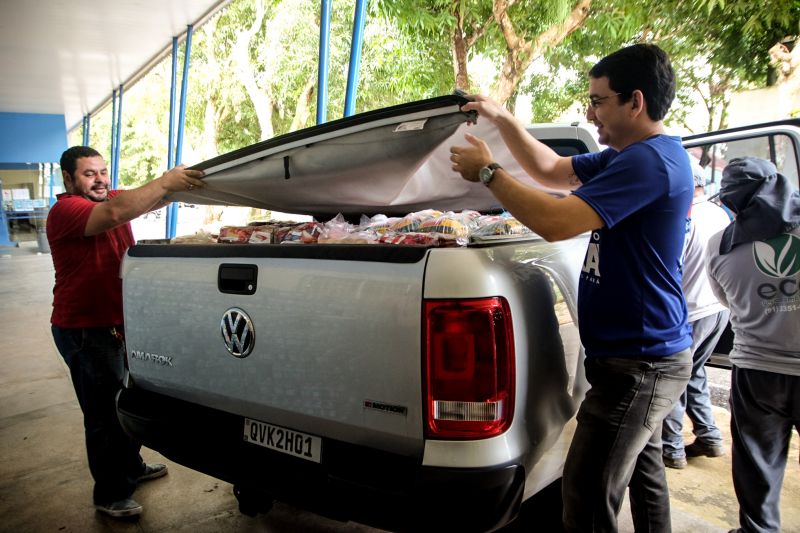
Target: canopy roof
x,y
65,57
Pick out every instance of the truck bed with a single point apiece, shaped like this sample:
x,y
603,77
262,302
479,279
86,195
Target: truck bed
x,y
338,362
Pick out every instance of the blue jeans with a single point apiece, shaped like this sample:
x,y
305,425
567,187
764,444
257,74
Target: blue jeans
x,y
764,407
617,443
696,400
96,360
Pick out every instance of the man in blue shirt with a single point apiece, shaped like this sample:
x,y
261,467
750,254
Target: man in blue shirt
x,y
634,198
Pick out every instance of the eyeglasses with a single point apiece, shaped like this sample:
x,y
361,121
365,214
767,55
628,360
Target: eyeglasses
x,y
595,102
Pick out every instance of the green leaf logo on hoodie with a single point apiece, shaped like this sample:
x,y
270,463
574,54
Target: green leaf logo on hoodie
x,y
778,257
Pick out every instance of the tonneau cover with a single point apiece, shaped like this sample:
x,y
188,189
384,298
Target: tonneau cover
x,y
392,161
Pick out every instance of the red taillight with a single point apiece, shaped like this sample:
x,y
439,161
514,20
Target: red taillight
x,y
469,362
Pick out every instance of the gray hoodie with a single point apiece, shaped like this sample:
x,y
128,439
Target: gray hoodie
x,y
757,272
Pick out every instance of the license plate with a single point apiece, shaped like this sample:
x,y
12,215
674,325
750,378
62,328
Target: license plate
x,y
283,440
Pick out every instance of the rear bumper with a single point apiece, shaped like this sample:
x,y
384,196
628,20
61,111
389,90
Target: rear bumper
x,y
351,483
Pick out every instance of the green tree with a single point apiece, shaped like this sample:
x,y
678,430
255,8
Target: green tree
x,y
715,51
511,33
258,70
735,41
717,46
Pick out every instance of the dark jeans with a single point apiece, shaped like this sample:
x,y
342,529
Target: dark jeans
x,y
95,360
764,407
696,399
617,443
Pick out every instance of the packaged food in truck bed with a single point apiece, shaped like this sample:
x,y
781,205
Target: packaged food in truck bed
x,y
427,228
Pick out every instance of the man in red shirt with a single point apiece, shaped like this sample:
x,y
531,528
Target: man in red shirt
x,y
89,230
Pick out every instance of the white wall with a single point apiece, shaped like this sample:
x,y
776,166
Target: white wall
x,y
763,105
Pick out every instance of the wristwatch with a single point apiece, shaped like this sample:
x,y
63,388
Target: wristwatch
x,y
486,174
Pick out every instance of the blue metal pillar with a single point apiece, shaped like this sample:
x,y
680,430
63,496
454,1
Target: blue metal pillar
x,y
86,124
181,120
52,185
172,91
355,57
113,129
117,144
184,91
172,210
324,61
5,240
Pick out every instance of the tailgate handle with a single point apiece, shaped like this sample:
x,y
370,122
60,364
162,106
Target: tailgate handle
x,y
237,279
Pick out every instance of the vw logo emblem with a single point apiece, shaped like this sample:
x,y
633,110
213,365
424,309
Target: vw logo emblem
x,y
238,332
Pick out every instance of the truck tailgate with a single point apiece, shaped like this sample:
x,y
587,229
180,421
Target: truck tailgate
x,y
336,348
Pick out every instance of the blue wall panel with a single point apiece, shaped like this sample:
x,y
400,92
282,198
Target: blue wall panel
x,y
32,138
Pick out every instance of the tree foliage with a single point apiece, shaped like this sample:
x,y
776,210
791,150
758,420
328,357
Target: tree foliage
x,y
717,46
510,33
722,47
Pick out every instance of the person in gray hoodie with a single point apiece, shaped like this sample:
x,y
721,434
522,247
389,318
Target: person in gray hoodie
x,y
754,269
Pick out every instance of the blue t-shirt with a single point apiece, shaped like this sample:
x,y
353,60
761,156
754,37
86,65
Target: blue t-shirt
x,y
630,301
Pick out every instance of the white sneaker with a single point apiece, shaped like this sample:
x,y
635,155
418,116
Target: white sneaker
x,y
153,471
120,508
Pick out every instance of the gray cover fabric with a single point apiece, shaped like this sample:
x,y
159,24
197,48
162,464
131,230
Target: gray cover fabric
x,y
392,166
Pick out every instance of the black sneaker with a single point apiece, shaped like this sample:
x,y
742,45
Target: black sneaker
x,y
675,462
152,471
120,509
698,448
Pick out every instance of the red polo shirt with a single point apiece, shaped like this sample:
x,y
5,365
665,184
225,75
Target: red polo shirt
x,y
88,288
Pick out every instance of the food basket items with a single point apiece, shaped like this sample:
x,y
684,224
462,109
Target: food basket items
x,y
422,228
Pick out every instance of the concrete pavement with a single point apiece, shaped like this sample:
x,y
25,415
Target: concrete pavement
x,y
45,483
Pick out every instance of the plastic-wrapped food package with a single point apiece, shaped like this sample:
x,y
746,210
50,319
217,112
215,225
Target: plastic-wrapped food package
x,y
411,238
412,221
235,234
379,224
357,237
201,237
305,233
469,216
491,225
339,231
452,226
263,234
336,228
423,228
450,223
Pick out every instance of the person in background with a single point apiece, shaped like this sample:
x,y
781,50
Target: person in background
x,y
88,231
754,269
633,199
708,319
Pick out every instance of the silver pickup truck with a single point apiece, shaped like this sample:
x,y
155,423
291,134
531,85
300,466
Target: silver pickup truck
x,y
407,387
